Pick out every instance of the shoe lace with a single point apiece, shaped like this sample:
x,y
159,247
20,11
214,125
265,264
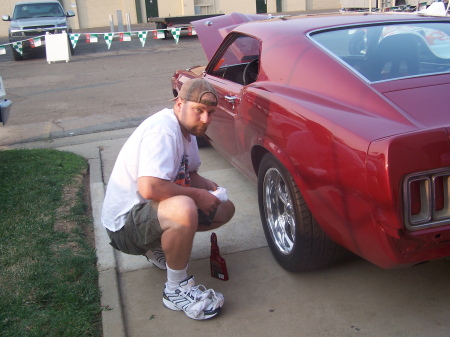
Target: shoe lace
x,y
203,298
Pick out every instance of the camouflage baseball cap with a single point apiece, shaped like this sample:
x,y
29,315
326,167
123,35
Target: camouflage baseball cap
x,y
194,89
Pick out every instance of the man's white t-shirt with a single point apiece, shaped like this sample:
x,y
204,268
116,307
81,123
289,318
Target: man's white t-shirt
x,y
157,148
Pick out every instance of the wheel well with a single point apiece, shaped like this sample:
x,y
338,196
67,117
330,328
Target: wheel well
x,y
258,153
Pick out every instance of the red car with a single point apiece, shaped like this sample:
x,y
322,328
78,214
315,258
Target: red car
x,y
343,121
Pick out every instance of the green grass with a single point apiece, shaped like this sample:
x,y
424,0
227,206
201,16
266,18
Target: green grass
x,y
48,275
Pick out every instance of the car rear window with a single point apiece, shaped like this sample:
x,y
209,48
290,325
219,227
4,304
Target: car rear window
x,y
388,52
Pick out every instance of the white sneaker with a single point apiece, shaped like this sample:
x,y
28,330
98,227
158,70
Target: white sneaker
x,y
157,257
197,302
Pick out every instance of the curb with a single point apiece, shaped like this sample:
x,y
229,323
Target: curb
x,y
113,323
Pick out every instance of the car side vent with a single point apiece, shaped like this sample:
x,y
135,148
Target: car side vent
x,y
426,199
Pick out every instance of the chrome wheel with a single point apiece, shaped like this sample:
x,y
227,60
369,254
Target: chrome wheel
x,y
279,211
293,235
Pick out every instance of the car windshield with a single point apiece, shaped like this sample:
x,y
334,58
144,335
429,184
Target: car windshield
x,y
37,10
388,52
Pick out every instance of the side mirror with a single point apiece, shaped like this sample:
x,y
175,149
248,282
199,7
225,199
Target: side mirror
x,y
6,18
70,14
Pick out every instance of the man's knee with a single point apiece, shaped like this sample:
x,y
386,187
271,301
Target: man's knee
x,y
226,212
178,211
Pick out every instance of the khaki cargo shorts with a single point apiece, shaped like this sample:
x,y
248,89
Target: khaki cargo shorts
x,y
142,231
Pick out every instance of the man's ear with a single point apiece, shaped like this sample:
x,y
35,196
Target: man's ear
x,y
178,103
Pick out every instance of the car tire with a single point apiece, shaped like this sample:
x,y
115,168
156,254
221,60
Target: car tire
x,y
295,239
16,55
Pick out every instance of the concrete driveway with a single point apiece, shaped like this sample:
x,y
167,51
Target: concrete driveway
x,y
90,106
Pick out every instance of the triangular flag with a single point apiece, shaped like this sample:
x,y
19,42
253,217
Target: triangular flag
x,y
17,46
108,39
74,39
124,37
158,34
142,37
175,33
91,38
191,31
35,42
2,50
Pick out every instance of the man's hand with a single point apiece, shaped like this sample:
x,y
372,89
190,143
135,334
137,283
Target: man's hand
x,y
206,201
152,188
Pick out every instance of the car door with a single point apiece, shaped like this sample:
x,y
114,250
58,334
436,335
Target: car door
x,y
221,131
227,73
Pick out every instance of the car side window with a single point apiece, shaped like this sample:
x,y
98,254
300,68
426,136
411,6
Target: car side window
x,y
239,62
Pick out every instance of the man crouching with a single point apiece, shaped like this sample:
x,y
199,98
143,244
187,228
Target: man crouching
x,y
156,201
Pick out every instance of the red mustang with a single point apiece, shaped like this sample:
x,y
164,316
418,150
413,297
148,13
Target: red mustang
x,y
343,121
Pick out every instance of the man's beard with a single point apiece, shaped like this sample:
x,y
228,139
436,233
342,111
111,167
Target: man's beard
x,y
198,130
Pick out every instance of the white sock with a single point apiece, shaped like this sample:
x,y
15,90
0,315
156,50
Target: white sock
x,y
174,277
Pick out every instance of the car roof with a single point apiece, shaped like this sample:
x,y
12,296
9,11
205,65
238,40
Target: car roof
x,y
212,31
307,23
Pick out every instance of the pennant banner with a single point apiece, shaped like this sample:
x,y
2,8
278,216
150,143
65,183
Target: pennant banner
x,y
191,31
108,39
93,38
158,34
142,37
35,42
74,39
175,33
18,46
124,37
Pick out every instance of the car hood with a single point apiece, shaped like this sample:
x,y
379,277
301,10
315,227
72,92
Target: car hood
x,y
428,105
212,31
42,21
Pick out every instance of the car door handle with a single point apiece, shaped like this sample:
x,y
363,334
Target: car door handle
x,y
230,99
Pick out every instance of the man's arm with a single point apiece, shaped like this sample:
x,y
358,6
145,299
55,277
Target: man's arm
x,y
157,189
201,182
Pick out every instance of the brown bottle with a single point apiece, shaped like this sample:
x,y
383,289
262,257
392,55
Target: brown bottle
x,y
217,262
